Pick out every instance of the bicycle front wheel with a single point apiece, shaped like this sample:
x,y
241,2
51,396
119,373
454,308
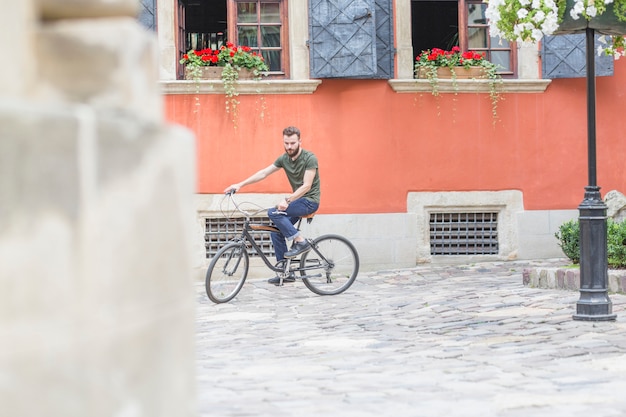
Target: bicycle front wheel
x,y
331,266
227,272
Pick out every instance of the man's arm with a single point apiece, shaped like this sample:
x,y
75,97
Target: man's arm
x,y
307,183
256,177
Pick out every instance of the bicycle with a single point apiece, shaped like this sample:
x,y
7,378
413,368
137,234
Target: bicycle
x,y
329,268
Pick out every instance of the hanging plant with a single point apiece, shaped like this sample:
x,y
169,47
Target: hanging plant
x,y
432,63
232,60
531,20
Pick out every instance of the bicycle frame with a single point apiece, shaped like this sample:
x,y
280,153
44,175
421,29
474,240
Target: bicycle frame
x,y
246,235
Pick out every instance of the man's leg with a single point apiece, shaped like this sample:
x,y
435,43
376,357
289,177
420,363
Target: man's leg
x,y
285,221
280,246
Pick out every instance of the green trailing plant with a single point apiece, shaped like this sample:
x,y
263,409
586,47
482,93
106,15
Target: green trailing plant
x,y
568,237
230,76
430,60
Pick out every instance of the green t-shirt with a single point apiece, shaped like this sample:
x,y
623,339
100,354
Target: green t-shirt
x,y
295,172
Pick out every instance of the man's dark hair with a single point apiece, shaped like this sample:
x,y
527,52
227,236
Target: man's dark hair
x,y
291,130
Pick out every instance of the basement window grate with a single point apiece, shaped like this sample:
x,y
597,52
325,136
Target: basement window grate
x,y
464,233
218,232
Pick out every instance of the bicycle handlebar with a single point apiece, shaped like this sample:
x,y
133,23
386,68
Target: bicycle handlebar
x,y
229,194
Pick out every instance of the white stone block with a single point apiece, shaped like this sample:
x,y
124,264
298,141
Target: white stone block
x,y
96,299
110,64
62,9
18,69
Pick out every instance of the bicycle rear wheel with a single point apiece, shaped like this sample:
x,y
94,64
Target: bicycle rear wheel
x,y
227,272
331,266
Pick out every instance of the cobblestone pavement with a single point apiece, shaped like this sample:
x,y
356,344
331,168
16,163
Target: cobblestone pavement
x,y
434,340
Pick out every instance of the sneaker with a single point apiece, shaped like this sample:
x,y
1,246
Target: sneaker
x,y
276,280
298,248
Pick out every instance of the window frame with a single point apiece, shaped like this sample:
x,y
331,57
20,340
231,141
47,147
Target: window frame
x,y
232,25
464,38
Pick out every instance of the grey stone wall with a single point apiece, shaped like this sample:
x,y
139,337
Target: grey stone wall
x,y
96,219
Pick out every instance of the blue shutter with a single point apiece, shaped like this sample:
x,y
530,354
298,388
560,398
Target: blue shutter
x,y
343,39
384,39
147,14
564,56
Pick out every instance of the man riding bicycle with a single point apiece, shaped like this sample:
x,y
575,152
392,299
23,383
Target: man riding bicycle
x,y
302,171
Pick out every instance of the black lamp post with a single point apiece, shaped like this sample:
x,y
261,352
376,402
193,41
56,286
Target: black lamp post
x,y
594,303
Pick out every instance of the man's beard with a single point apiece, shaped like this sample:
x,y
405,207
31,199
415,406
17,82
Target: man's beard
x,y
292,152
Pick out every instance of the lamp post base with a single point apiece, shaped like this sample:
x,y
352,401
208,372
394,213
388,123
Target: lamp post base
x,y
596,317
597,309
594,303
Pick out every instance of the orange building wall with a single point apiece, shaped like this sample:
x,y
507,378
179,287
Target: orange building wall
x,y
375,145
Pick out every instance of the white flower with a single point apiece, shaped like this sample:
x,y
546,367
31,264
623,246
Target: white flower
x,y
577,10
534,19
549,26
592,11
537,34
539,16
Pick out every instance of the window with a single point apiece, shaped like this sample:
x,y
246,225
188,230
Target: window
x,y
351,39
446,23
259,24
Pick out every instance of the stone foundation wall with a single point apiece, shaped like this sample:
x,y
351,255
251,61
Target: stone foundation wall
x,y
569,279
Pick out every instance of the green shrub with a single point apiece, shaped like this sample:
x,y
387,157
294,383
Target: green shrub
x,y
568,236
616,244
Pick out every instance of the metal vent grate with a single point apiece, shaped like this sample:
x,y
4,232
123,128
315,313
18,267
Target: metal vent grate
x,y
464,233
218,232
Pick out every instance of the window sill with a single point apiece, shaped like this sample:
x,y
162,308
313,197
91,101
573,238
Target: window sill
x,y
469,86
309,86
243,87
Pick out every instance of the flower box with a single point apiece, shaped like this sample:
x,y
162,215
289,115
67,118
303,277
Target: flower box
x,y
436,64
215,73
460,72
606,23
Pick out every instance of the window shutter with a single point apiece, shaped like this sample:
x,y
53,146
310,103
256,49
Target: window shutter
x,y
564,56
343,39
384,39
147,14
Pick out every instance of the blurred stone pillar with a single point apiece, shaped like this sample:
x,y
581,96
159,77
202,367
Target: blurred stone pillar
x,y
96,219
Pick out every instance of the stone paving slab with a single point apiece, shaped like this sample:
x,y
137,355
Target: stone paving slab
x,y
434,340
